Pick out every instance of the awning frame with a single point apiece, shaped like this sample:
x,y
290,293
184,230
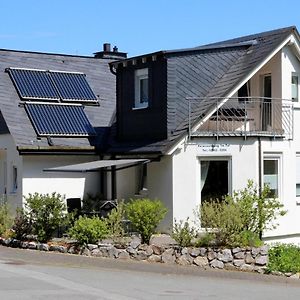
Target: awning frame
x,y
109,168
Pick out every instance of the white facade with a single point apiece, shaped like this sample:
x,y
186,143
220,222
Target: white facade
x,y
243,155
21,175
71,185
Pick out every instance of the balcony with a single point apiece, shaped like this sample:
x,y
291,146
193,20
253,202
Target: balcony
x,y
247,116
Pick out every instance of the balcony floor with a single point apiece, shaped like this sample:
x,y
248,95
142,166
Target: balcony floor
x,y
270,134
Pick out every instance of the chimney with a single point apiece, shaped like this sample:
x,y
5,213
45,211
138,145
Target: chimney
x,y
106,47
108,54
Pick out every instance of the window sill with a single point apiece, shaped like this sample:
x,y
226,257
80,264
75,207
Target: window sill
x,y
296,105
140,107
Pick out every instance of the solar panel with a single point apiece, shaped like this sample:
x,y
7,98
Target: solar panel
x,y
33,84
59,120
73,87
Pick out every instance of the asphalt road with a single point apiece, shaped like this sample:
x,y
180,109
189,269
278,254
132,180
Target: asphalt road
x,y
26,274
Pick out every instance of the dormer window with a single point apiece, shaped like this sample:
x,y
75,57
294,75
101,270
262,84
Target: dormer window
x,y
141,88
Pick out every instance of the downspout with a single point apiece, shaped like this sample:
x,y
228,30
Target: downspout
x,y
113,182
260,187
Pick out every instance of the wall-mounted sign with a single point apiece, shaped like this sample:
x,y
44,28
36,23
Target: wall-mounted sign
x,y
214,147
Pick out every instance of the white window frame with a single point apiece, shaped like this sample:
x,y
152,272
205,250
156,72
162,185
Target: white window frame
x,y
278,158
229,175
296,180
217,158
139,75
294,74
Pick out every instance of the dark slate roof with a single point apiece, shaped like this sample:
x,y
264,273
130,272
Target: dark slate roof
x,y
207,71
99,77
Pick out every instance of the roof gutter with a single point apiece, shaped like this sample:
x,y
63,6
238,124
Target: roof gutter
x,y
29,150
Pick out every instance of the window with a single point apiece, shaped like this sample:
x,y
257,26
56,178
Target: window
x,y
271,175
14,179
294,87
141,88
214,179
298,175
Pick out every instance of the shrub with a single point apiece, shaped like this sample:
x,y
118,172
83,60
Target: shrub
x,y
284,258
46,213
88,230
145,215
22,225
6,219
258,210
115,220
206,240
224,216
249,238
183,233
240,219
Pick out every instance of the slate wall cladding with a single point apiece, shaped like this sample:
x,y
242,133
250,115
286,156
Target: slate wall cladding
x,y
147,123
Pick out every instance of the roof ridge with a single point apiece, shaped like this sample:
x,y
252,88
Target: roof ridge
x,y
47,53
250,37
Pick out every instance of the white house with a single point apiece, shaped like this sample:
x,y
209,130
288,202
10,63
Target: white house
x,y
197,123
213,117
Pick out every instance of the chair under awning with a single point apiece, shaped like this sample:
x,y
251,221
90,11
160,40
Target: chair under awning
x,y
102,165
95,166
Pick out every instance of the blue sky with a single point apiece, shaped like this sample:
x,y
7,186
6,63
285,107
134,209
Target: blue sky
x,y
136,26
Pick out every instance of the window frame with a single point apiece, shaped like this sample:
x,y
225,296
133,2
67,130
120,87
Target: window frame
x,y
217,158
296,181
139,75
294,74
278,158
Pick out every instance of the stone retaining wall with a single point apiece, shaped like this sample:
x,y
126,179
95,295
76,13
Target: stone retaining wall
x,y
244,259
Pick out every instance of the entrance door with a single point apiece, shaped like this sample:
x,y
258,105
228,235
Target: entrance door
x,y
267,103
214,179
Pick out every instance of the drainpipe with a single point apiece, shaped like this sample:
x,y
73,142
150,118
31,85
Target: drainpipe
x,y
113,182
260,187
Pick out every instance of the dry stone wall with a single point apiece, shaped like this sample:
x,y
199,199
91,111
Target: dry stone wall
x,y
244,259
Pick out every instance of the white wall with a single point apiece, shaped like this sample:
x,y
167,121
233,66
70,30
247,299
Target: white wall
x,y
160,186
243,164
9,157
72,185
126,183
289,225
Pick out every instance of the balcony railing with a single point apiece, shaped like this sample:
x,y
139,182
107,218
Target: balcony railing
x,y
247,116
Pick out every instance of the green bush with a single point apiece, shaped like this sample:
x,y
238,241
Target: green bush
x,y
46,213
6,219
224,218
284,258
145,215
249,238
88,230
240,219
115,220
258,211
22,225
183,233
206,240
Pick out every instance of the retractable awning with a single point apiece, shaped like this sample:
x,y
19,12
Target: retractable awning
x,y
95,166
